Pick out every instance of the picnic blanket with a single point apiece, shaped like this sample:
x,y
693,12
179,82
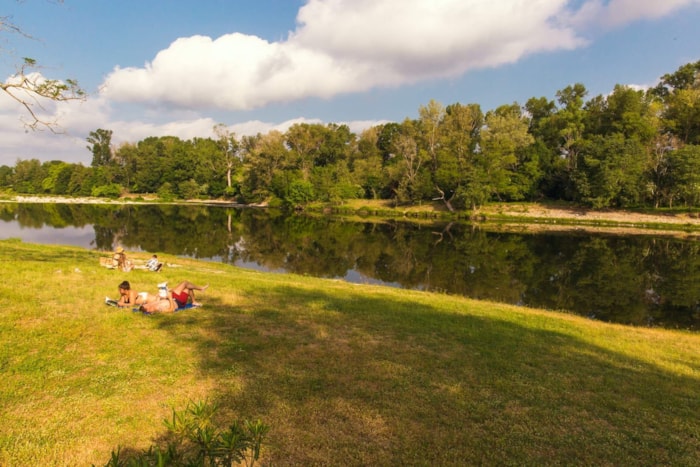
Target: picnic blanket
x,y
112,302
186,307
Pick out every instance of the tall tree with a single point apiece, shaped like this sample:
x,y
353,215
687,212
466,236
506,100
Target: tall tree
x,y
230,149
503,139
682,115
570,117
544,126
685,170
430,121
366,164
28,176
611,171
409,161
265,158
101,147
628,111
455,159
305,141
685,77
126,159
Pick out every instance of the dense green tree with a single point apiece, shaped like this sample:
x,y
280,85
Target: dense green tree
x,y
682,115
63,179
366,164
125,160
152,164
503,141
6,175
81,181
265,158
212,171
685,172
685,77
100,146
455,160
57,177
407,164
553,167
28,176
305,141
570,121
385,140
541,112
629,112
611,171
680,92
336,146
335,183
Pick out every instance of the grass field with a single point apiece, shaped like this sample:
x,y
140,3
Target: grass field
x,y
344,374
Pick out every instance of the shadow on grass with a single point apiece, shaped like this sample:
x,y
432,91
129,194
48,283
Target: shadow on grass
x,y
365,379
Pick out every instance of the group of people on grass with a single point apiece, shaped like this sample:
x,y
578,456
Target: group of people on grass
x,y
120,261
166,300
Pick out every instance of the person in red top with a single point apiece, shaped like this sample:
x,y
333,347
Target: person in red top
x,y
183,293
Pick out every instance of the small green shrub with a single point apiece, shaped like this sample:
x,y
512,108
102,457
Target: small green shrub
x,y
193,439
165,192
112,190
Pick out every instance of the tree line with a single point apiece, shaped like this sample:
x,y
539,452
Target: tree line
x,y
629,148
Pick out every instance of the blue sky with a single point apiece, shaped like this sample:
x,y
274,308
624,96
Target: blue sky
x,y
178,67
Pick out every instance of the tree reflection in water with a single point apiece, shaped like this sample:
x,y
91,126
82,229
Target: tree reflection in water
x,y
641,280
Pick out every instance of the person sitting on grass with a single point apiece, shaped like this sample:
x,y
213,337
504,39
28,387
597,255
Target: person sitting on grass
x,y
153,264
183,293
120,261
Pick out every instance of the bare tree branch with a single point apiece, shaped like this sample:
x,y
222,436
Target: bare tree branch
x,y
30,88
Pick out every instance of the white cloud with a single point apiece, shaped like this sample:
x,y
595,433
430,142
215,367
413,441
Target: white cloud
x,y
344,46
616,13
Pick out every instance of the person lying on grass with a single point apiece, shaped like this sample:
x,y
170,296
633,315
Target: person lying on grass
x,y
183,293
159,305
129,297
171,300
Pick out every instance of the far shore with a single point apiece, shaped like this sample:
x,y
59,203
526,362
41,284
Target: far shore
x,y
542,216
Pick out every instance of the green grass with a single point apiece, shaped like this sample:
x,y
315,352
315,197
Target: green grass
x,y
344,374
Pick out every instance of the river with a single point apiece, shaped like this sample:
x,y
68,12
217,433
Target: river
x,y
641,280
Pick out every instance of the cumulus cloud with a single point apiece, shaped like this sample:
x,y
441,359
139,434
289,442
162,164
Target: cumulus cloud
x,y
347,46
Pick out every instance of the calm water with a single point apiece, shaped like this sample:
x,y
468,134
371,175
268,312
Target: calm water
x,y
639,280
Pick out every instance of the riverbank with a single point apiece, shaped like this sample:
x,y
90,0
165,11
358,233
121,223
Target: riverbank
x,y
342,373
532,217
513,216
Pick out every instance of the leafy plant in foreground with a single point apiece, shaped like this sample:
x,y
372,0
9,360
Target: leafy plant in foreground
x,y
193,439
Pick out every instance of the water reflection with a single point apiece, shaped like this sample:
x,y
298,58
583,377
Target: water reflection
x,y
640,280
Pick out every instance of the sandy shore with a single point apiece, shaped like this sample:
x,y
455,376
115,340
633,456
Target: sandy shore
x,y
544,216
587,215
